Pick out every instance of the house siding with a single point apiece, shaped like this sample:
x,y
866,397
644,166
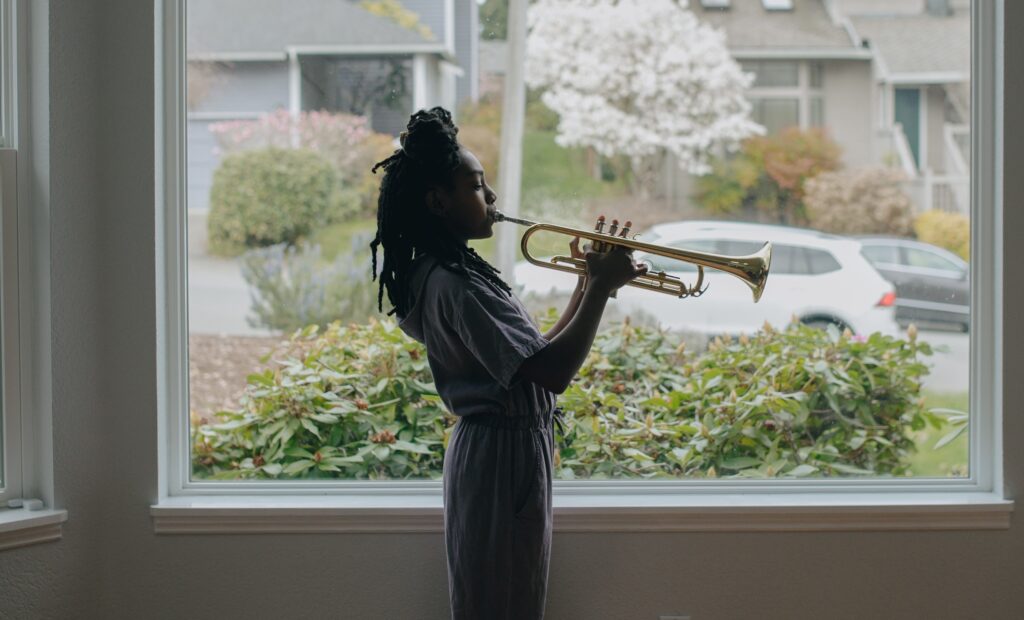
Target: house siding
x,y
850,110
247,87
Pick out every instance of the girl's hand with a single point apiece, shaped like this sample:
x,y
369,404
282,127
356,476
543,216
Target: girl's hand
x,y
613,269
577,253
574,248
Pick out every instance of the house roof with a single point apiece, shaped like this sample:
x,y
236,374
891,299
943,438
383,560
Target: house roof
x,y
920,45
749,26
267,27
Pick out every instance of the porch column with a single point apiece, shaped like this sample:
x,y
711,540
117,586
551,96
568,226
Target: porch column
x,y
513,114
419,82
294,95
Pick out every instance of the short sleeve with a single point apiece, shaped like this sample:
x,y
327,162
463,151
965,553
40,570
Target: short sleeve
x,y
495,330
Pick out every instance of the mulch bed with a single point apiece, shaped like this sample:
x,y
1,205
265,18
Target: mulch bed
x,y
217,368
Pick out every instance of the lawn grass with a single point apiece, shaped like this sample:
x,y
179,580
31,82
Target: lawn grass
x,y
337,238
949,460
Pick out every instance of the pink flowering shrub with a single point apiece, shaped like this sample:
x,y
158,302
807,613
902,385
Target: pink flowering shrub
x,y
346,140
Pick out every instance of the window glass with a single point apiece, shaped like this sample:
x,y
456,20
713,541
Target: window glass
x,y
928,260
817,112
774,73
282,208
663,263
881,254
817,72
776,114
820,261
789,260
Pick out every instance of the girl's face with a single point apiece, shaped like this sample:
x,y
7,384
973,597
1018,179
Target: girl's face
x,y
467,207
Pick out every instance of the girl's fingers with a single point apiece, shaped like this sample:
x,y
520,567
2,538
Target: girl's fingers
x,y
574,248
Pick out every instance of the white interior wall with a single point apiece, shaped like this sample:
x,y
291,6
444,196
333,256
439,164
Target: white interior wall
x,y
111,565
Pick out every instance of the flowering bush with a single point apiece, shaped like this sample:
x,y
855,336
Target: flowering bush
x,y
270,196
864,201
347,141
768,175
358,402
946,230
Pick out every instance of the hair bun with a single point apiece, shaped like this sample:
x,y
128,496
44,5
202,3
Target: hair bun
x,y
429,133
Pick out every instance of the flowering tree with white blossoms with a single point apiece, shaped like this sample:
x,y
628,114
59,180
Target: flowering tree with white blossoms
x,y
638,78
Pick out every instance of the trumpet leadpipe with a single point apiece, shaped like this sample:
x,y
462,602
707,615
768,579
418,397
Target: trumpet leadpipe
x,y
501,217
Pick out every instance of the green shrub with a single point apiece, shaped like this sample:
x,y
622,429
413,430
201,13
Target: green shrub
x,y
292,287
946,230
270,196
346,140
799,402
358,402
768,175
864,201
350,402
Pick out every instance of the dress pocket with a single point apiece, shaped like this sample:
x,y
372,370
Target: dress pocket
x,y
529,496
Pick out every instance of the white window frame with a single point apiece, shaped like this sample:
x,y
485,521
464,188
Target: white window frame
x,y
771,505
24,307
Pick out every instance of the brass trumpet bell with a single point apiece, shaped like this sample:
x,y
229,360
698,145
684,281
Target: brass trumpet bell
x,y
752,268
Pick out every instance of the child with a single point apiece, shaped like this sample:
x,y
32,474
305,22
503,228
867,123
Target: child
x,y
491,365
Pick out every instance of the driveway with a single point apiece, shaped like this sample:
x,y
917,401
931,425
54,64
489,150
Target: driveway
x,y
218,298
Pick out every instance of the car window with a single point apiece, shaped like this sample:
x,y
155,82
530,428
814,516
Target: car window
x,y
789,260
820,261
929,260
664,263
734,247
881,254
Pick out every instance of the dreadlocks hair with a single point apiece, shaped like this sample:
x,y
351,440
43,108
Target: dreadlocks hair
x,y
428,157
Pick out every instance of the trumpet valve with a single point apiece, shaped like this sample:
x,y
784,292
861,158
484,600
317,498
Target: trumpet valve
x,y
625,228
600,224
614,227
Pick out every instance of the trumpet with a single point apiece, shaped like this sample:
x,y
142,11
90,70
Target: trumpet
x,y
752,269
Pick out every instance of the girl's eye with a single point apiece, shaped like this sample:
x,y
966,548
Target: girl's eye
x,y
478,187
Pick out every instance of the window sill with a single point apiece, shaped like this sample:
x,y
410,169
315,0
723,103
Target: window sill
x,y
594,513
19,527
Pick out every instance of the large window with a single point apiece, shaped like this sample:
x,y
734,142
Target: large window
x,y
787,93
288,378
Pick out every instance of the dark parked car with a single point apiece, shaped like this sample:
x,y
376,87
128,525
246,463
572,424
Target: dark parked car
x,y
932,284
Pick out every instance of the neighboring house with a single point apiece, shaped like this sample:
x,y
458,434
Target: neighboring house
x,y
922,70
379,58
889,79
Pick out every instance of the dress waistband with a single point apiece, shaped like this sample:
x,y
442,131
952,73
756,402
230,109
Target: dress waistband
x,y
518,422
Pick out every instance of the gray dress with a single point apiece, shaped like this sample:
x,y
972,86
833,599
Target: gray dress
x,y
498,466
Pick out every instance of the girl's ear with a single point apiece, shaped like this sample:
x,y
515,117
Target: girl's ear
x,y
436,203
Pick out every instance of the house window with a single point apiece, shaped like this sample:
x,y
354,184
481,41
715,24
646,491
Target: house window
x,y
282,412
786,93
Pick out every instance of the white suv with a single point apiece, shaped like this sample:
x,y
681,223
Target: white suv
x,y
817,277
